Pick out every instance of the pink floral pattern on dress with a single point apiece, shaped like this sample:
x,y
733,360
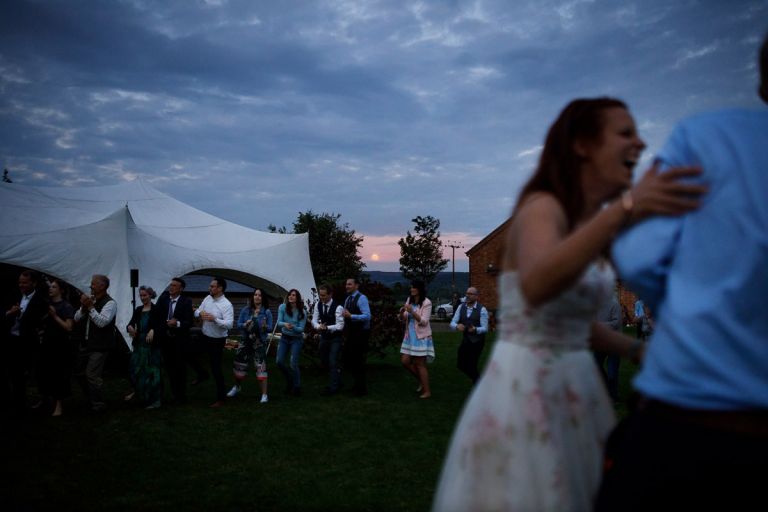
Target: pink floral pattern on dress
x,y
531,435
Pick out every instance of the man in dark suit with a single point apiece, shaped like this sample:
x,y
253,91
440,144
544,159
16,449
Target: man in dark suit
x,y
23,323
171,322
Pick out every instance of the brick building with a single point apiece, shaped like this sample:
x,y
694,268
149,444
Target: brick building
x,y
485,263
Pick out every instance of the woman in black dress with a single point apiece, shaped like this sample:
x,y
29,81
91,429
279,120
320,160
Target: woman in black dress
x,y
56,354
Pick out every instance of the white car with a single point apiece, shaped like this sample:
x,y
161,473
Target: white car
x,y
446,310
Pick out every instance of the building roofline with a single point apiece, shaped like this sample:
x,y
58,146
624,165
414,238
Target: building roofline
x,y
489,236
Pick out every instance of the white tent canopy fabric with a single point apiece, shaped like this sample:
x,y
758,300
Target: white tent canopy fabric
x,y
73,233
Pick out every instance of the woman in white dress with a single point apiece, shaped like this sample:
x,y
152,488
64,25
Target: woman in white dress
x,y
531,435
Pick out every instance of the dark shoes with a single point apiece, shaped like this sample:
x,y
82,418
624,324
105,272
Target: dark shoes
x,y
328,391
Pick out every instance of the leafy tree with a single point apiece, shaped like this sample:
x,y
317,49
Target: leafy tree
x,y
6,176
421,253
333,246
274,229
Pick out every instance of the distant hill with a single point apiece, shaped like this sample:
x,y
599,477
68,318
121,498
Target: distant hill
x,y
439,289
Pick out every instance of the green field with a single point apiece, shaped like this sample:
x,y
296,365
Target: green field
x,y
379,452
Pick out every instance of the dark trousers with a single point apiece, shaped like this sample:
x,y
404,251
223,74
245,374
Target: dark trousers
x,y
215,349
355,352
468,358
174,359
191,352
329,356
664,458
18,365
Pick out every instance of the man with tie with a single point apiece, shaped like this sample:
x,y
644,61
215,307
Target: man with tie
x,y
328,320
357,332
172,320
23,322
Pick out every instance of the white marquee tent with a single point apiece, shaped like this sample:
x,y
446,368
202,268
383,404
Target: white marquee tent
x,y
72,233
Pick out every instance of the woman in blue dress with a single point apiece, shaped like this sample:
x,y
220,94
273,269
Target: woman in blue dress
x,y
256,323
417,349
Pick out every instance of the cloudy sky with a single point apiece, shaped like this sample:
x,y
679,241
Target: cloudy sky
x,y
377,110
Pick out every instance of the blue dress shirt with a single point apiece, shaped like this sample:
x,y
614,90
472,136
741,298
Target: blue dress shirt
x,y
365,310
705,274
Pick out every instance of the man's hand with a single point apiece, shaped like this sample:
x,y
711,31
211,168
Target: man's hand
x,y
86,302
131,331
172,322
15,310
346,313
460,327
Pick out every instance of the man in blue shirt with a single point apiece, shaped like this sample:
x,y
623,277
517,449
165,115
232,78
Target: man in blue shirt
x,y
357,332
699,436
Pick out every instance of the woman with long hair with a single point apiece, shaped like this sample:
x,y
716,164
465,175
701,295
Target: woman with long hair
x,y
56,352
146,360
531,436
291,319
417,349
256,323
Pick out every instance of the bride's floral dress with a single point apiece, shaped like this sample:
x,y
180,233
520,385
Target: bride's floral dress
x,y
531,436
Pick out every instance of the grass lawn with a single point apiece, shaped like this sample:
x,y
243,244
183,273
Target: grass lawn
x,y
379,452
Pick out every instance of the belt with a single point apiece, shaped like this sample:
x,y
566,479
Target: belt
x,y
749,422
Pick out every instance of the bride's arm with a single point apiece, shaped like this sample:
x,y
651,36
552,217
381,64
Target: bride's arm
x,y
549,259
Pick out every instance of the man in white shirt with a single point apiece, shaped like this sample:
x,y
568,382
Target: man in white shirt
x,y
218,316
97,311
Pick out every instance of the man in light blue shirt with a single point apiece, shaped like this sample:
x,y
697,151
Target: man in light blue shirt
x,y
357,333
699,437
471,319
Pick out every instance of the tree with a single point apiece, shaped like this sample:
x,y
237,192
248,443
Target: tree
x,y
421,253
6,177
333,247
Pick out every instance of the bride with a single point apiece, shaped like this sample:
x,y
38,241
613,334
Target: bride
x,y
531,435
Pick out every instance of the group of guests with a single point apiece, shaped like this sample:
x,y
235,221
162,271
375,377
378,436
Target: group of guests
x,y
51,340
51,331
44,335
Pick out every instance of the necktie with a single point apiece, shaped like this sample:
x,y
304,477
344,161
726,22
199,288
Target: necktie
x,y
170,308
325,309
